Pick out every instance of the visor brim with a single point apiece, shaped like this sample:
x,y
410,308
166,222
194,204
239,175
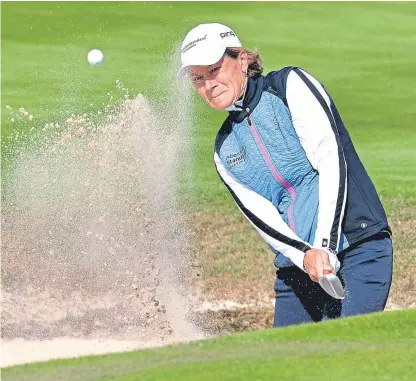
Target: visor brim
x,y
197,61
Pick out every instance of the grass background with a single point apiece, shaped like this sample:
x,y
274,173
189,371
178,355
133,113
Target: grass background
x,y
362,52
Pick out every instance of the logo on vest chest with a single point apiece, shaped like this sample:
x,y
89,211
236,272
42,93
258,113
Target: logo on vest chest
x,y
237,158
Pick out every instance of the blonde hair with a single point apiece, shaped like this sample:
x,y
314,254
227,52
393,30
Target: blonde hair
x,y
255,63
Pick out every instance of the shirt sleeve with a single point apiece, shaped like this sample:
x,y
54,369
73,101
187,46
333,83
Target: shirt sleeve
x,y
263,215
310,109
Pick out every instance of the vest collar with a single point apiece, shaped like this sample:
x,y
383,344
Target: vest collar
x,y
243,108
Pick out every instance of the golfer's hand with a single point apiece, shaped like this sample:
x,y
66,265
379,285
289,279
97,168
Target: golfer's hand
x,y
316,264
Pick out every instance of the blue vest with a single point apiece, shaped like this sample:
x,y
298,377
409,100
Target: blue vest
x,y
260,147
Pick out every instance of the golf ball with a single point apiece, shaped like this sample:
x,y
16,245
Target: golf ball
x,y
95,57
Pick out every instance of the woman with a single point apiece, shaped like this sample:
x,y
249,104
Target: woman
x,y
286,158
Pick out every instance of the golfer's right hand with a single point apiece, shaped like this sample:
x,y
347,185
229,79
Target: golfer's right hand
x,y
316,264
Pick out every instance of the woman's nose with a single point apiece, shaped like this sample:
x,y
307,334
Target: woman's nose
x,y
210,84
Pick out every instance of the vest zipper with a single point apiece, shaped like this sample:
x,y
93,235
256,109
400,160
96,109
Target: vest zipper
x,y
269,162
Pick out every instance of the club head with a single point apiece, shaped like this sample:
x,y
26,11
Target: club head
x,y
332,285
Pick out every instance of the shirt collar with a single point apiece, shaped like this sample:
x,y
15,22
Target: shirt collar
x,y
237,106
251,98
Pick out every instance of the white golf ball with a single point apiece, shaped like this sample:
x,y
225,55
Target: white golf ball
x,y
95,57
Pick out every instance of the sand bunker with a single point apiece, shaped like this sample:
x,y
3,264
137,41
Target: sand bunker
x,y
94,244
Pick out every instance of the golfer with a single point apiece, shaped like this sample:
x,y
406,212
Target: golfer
x,y
288,161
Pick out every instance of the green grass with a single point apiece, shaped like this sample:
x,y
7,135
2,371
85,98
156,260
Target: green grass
x,y
363,53
370,347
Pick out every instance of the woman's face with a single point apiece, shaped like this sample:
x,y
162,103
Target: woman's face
x,y
221,84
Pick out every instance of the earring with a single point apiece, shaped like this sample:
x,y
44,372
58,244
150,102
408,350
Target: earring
x,y
244,73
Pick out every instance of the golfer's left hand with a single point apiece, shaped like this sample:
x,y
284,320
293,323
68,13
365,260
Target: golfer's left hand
x,y
316,264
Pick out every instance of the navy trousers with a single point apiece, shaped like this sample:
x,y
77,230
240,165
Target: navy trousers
x,y
366,273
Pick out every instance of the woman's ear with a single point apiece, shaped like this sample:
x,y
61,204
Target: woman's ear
x,y
244,60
